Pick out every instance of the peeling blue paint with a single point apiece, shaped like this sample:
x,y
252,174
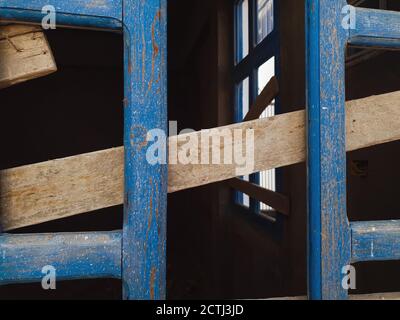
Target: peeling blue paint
x,y
98,14
137,255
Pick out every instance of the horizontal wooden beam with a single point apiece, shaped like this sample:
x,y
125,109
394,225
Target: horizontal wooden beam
x,y
72,255
56,189
275,200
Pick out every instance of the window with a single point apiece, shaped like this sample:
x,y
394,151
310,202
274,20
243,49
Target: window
x,y
256,53
242,23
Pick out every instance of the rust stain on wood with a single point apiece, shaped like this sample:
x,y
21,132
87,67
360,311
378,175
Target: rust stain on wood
x,y
152,282
138,137
155,50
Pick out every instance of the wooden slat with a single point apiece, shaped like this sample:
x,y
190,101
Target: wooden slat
x,y
24,54
61,188
275,200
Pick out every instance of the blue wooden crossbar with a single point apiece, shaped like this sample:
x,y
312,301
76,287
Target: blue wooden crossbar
x,y
138,253
332,242
73,255
375,241
105,14
376,28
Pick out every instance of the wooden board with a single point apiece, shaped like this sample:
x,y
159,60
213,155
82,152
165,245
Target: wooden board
x,y
56,189
24,54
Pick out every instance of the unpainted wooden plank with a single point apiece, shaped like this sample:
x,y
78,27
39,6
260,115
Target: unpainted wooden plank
x,y
60,188
25,54
264,99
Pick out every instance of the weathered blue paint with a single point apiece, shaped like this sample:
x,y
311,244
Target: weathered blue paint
x,y
99,14
138,253
375,240
331,240
144,234
377,28
329,232
73,255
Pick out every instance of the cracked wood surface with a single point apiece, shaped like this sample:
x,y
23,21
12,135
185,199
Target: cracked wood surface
x,y
24,54
61,188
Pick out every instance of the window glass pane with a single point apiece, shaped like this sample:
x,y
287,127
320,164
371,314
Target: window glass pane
x,y
242,23
265,18
246,199
265,73
245,98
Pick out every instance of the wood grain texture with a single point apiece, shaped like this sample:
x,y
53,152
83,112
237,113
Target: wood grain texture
x,y
24,54
60,188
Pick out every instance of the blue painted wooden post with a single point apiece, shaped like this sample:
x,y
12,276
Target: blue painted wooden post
x,y
145,69
329,232
144,233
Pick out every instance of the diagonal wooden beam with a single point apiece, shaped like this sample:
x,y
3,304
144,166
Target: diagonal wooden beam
x,y
275,200
57,189
264,99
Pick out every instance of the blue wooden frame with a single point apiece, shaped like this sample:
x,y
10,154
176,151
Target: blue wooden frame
x,y
137,254
333,242
248,67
